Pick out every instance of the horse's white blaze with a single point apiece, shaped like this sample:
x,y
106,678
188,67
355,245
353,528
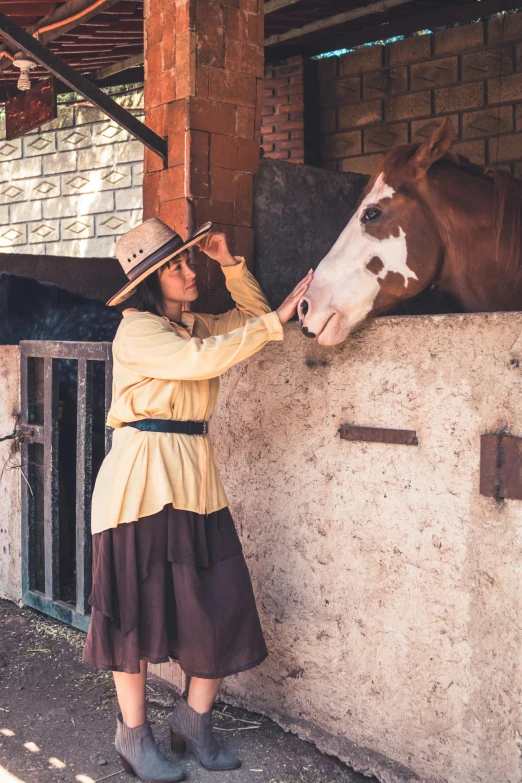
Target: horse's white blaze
x,y
380,191
342,282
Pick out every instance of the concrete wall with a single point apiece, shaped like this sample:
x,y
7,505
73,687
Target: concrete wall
x,y
389,589
71,187
10,541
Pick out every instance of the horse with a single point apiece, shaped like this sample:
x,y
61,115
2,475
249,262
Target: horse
x,y
428,219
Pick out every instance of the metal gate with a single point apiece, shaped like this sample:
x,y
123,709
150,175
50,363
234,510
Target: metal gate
x,y
65,396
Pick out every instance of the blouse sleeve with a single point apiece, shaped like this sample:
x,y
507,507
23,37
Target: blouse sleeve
x,y
246,293
150,349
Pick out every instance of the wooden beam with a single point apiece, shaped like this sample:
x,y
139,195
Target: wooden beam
x,y
65,11
119,67
275,5
38,52
333,21
350,39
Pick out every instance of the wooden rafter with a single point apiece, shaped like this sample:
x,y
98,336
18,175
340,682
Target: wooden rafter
x,y
65,11
348,39
333,21
119,67
275,5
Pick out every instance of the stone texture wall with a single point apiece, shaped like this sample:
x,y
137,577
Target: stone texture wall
x,y
71,187
377,97
10,508
389,589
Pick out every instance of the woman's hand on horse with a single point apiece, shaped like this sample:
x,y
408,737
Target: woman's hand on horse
x,y
215,245
286,310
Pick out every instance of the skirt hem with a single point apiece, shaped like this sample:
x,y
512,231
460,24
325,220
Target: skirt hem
x,y
109,668
173,586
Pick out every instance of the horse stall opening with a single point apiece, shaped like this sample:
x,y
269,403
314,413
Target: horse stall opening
x,y
389,588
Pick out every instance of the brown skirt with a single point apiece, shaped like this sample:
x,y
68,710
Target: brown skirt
x,y
174,584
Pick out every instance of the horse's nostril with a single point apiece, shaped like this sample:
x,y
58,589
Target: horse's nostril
x,y
307,332
304,307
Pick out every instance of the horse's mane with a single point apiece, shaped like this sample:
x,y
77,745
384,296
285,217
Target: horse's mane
x,y
507,204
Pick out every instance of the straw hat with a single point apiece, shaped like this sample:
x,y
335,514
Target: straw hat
x,y
145,248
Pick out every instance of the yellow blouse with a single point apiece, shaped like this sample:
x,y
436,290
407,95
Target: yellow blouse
x,y
162,370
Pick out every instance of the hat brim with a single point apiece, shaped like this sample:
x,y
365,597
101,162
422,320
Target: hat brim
x,y
130,287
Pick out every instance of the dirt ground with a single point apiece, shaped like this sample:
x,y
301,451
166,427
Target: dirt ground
x,y
57,719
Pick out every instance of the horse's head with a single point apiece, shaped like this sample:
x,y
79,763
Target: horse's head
x,y
389,251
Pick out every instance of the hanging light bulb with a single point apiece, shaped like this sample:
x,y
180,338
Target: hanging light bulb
x,y
25,65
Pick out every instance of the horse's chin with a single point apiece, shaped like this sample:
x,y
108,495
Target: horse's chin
x,y
335,331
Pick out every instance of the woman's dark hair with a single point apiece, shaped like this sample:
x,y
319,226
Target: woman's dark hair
x,y
148,294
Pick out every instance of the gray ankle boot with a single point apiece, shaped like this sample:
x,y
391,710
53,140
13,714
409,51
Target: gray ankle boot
x,y
141,756
188,727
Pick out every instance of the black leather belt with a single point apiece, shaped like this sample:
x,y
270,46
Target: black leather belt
x,y
170,425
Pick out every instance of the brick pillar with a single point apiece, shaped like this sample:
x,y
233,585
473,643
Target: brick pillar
x,y
203,90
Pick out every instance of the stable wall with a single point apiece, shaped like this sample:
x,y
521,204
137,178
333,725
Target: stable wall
x,y
10,509
388,588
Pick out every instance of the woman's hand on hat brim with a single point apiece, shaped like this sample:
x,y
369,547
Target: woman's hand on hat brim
x,y
214,244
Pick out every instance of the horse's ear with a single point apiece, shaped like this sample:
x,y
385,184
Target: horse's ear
x,y
434,148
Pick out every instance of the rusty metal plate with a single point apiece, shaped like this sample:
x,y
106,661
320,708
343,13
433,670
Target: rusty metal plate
x,y
28,109
501,466
378,435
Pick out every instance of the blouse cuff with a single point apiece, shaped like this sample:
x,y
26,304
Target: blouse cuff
x,y
274,325
237,270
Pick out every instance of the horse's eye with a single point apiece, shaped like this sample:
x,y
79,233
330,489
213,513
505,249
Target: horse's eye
x,y
371,214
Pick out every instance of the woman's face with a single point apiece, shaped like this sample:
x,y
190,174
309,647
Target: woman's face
x,y
178,279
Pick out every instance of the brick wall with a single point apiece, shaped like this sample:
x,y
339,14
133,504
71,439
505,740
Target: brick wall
x,y
72,187
289,130
377,97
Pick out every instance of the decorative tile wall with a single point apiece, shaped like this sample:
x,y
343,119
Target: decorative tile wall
x,y
72,187
377,97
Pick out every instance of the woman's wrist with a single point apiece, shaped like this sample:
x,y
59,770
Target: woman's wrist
x,y
229,260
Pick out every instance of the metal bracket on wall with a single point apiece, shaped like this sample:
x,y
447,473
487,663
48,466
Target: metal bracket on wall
x,y
378,435
501,466
41,54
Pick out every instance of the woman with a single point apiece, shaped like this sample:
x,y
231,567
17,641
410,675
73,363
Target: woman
x,y
169,576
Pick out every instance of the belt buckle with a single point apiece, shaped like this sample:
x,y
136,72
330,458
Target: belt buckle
x,y
205,427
